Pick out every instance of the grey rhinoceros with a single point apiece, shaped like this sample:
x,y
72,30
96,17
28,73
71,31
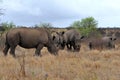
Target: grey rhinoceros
x,y
29,38
70,38
106,42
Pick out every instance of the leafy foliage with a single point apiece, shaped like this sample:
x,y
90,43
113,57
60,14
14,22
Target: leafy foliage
x,y
76,24
7,26
86,25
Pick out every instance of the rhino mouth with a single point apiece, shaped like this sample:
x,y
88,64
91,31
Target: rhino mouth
x,y
55,53
77,48
60,46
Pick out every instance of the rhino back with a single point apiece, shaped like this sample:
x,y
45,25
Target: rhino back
x,y
103,43
27,37
72,34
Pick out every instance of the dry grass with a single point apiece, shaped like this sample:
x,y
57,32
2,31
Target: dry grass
x,y
85,65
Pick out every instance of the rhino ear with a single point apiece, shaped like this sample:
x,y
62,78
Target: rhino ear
x,y
53,37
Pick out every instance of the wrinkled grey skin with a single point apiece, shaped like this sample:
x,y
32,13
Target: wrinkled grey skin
x,y
107,42
70,38
29,38
59,40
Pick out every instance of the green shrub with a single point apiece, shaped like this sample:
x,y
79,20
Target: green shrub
x,y
86,26
7,26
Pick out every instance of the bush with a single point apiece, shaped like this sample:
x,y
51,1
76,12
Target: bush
x,y
86,26
7,26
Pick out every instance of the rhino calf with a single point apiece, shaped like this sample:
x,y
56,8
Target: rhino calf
x,y
29,38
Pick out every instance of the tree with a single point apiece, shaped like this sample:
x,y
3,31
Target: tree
x,y
86,25
76,24
7,26
89,22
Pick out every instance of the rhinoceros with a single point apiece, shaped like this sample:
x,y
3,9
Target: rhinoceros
x,y
59,40
70,38
107,42
29,38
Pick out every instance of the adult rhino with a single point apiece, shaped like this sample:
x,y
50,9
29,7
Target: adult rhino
x,y
59,40
70,38
107,42
29,38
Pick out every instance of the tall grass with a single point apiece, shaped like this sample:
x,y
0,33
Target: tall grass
x,y
2,40
85,65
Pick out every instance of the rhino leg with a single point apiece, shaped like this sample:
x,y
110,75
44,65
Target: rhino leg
x,y
12,51
76,47
72,44
69,46
90,45
38,50
6,49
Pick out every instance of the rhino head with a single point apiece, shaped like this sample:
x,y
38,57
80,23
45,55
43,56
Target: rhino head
x,y
59,40
77,43
110,40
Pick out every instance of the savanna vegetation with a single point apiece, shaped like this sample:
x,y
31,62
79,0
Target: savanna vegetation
x,y
84,65
86,26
